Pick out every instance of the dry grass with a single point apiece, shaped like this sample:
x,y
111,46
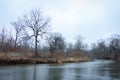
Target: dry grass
x,y
57,57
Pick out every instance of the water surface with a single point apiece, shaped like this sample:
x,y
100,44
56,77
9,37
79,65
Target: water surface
x,y
94,70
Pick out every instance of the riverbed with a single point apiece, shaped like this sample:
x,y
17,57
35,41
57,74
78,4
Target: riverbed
x,y
93,70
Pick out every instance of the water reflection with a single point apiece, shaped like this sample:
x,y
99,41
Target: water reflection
x,y
96,70
15,73
55,74
34,73
40,72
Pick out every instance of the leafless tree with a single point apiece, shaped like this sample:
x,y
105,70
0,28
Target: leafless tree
x,y
36,23
79,43
56,42
108,50
2,37
6,40
10,41
25,42
69,48
115,45
101,48
18,31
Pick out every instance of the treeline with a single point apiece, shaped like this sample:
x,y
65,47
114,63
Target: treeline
x,y
29,31
107,49
11,42
14,41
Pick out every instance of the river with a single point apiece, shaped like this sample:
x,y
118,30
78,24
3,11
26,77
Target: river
x,y
94,70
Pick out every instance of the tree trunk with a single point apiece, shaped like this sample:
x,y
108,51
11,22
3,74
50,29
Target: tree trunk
x,y
36,46
15,44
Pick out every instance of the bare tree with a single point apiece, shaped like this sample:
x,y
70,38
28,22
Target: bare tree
x,y
56,42
25,42
6,40
10,41
115,46
36,23
18,30
2,37
79,43
69,48
109,50
102,48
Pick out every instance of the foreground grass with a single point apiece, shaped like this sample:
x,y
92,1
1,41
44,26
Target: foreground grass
x,y
17,58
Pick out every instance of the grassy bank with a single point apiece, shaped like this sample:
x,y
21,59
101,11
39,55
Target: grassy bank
x,y
17,58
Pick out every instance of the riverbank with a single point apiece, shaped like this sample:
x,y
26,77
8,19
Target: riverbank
x,y
8,59
41,61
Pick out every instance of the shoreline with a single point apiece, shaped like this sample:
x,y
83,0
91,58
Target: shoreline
x,y
42,61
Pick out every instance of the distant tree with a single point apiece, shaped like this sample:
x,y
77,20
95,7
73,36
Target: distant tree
x,y
6,40
25,41
2,37
69,48
10,38
10,41
56,42
101,48
115,45
18,27
79,46
37,24
93,51
110,50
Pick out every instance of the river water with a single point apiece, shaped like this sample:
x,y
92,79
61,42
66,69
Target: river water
x,y
94,70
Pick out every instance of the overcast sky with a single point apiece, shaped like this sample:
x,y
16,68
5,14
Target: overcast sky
x,y
93,19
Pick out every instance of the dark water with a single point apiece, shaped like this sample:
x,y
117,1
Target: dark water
x,y
95,70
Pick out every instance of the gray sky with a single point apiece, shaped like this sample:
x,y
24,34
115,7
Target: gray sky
x,y
93,19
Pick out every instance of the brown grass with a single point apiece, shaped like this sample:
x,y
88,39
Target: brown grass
x,y
57,57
